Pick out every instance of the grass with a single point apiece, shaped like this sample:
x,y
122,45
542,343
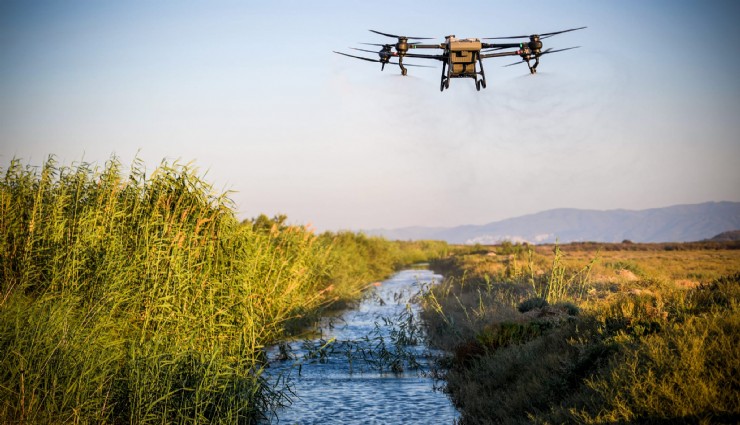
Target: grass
x,y
591,334
135,298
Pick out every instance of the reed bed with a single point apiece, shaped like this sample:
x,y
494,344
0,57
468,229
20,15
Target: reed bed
x,y
135,298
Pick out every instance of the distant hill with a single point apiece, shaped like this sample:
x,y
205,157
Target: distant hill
x,y
732,235
679,223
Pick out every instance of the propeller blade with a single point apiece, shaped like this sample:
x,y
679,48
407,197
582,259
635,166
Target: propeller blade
x,y
369,51
387,45
400,36
543,35
550,34
515,63
504,38
379,61
357,57
548,51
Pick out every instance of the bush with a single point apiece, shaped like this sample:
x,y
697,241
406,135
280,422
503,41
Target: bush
x,y
531,304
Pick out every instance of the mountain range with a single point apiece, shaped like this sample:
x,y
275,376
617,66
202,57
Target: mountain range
x,y
678,223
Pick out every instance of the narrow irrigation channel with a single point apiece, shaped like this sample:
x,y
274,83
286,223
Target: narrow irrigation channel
x,y
368,365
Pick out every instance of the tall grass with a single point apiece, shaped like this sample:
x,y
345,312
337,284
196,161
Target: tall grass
x,y
141,298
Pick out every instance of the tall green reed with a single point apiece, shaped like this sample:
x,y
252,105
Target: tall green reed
x,y
146,286
141,298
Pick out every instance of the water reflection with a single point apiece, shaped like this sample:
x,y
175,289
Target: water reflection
x,y
367,366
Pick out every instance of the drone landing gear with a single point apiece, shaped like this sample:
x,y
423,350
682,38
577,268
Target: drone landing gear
x,y
533,68
404,71
445,83
482,81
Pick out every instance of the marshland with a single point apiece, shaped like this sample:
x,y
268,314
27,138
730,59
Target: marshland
x,y
138,298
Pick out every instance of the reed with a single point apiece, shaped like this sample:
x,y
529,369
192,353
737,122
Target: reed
x,y
141,298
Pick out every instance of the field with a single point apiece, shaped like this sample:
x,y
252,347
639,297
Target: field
x,y
135,298
590,333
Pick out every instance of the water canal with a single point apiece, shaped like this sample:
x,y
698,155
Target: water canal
x,y
367,365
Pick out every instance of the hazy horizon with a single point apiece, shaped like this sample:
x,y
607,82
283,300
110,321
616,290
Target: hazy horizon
x,y
643,115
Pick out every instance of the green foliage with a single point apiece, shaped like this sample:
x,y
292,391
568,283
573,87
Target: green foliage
x,y
142,299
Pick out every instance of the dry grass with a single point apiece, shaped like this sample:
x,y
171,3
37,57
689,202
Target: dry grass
x,y
649,336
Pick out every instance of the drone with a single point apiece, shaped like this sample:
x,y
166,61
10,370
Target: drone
x,y
461,57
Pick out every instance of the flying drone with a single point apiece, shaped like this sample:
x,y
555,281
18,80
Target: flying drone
x,y
461,57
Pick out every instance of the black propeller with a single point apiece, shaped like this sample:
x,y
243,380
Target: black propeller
x,y
385,46
400,36
541,36
380,61
372,51
546,52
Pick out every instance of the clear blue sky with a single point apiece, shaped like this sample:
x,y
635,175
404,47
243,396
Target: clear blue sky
x,y
645,114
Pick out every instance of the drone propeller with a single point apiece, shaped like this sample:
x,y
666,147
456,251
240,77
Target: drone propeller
x,y
380,61
550,50
400,36
366,50
541,36
386,46
546,52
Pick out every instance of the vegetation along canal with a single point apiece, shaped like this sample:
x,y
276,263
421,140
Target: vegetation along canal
x,y
368,365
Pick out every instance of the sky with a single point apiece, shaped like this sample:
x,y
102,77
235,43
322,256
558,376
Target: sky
x,y
645,114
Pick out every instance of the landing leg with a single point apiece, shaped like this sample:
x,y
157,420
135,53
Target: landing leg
x,y
531,69
400,64
442,82
482,73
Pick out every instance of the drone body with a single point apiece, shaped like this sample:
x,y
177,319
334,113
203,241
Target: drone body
x,y
461,58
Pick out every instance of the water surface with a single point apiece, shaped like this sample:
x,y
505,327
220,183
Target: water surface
x,y
367,366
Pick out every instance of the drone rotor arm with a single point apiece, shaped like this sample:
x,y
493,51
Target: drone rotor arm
x,y
498,55
416,55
